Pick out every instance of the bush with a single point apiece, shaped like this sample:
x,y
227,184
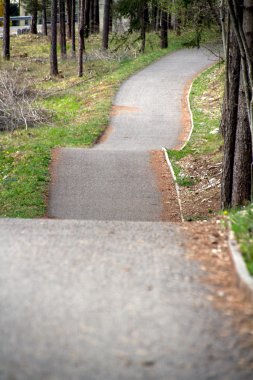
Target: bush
x,y
18,104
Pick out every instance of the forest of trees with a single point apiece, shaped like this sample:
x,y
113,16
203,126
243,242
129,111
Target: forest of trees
x,y
234,18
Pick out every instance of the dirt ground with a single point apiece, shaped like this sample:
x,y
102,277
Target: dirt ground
x,y
202,199
208,244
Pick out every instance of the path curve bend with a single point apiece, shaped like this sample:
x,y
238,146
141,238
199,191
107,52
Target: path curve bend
x,y
116,179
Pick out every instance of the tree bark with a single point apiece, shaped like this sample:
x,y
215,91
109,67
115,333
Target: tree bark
x,y
106,28
73,30
158,20
96,16
143,25
242,187
6,31
110,17
81,38
69,11
44,17
53,53
243,154
164,30
34,21
87,19
154,16
62,29
92,17
230,114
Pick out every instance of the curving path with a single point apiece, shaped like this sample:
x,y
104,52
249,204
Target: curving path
x,y
114,180
112,298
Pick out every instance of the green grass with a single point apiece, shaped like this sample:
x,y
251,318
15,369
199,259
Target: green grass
x,y
242,226
204,139
80,113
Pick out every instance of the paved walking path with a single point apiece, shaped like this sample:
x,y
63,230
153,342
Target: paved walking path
x,y
110,299
114,180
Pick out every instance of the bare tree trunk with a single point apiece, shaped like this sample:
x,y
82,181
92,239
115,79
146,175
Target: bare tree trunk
x,y
164,30
6,31
230,115
81,37
53,53
44,17
73,30
243,154
154,15
143,26
105,41
87,19
34,21
242,189
169,21
92,17
110,19
96,16
62,29
69,11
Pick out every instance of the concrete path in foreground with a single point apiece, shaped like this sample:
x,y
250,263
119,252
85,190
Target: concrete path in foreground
x,y
114,180
112,300
90,300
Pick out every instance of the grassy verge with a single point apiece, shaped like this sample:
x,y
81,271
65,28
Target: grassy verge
x,y
205,138
197,163
81,112
242,226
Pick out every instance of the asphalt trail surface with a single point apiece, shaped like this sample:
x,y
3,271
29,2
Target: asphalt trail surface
x,y
114,180
113,297
90,300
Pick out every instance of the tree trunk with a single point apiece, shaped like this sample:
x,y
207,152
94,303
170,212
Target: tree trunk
x,y
73,30
92,17
106,28
158,20
243,154
96,16
34,21
87,19
69,11
6,30
242,190
53,54
169,21
62,29
164,30
110,19
143,26
230,114
81,37
154,16
44,17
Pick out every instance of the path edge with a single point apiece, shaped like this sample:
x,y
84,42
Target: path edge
x,y
244,279
175,182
